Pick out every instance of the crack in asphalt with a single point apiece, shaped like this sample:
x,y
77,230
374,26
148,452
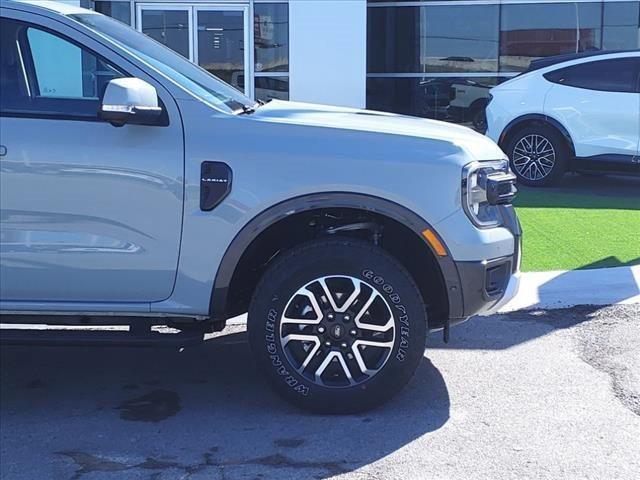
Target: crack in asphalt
x,y
608,339
88,463
607,345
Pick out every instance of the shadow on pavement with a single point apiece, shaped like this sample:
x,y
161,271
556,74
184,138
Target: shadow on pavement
x,y
609,262
583,287
502,331
143,412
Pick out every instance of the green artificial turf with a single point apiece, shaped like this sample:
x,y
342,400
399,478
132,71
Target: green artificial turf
x,y
592,223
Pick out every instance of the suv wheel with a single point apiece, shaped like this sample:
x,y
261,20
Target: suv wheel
x,y
538,155
338,326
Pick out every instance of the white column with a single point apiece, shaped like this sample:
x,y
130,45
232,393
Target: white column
x,y
328,51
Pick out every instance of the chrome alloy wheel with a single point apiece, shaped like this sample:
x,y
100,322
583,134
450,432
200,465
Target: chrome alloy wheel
x,y
337,331
533,157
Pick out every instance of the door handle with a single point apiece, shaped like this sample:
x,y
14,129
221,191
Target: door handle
x,y
3,150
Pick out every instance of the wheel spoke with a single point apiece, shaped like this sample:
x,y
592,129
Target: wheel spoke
x,y
522,151
544,146
358,355
314,304
370,326
327,361
303,338
544,168
531,170
348,302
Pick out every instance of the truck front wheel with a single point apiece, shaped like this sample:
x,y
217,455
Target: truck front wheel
x,y
338,326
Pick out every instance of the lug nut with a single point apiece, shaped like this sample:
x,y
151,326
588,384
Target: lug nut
x,y
330,316
343,345
350,356
327,344
353,332
321,329
347,318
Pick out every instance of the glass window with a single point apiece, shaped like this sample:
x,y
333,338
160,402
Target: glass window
x,y
272,88
589,17
221,44
190,77
621,29
14,88
168,27
617,75
271,36
49,75
449,38
456,99
118,9
64,70
530,31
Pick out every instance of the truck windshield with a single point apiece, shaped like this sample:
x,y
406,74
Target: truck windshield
x,y
190,77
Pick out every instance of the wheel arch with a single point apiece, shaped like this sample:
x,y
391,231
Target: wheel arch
x,y
276,217
524,121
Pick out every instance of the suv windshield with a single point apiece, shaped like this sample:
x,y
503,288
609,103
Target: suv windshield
x,y
192,78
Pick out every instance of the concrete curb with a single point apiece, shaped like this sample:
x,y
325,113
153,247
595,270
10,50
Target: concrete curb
x,y
563,289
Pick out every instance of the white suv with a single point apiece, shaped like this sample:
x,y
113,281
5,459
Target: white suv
x,y
569,113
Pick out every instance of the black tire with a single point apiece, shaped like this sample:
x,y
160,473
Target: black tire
x,y
378,275
478,115
537,172
479,119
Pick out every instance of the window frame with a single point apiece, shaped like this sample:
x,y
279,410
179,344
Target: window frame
x,y
50,105
635,87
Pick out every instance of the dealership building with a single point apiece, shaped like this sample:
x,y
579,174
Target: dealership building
x,y
433,59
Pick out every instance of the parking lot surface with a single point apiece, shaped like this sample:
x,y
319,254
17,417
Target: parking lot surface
x,y
546,394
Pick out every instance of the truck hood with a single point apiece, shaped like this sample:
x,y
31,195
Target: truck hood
x,y
477,146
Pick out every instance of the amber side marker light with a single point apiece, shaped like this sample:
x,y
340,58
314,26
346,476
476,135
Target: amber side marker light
x,y
435,242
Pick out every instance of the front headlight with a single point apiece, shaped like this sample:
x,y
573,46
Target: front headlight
x,y
485,186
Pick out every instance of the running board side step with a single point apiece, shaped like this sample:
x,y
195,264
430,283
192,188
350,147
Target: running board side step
x,y
99,338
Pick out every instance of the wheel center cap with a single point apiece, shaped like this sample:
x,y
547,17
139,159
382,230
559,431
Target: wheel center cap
x,y
337,331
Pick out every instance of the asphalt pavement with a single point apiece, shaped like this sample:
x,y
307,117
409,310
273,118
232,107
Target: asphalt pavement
x,y
543,394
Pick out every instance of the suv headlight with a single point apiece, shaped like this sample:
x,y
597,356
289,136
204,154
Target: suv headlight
x,y
485,186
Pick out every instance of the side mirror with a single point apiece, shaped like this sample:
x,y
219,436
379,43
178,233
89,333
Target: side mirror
x,y
130,100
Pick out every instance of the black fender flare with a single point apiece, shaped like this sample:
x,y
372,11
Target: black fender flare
x,y
539,117
275,213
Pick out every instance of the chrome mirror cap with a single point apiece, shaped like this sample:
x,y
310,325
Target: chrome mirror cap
x,y
130,100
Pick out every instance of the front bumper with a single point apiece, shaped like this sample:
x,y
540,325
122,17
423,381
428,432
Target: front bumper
x,y
488,285
512,290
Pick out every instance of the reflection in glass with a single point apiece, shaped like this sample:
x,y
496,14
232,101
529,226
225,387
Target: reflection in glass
x,y
530,31
460,100
114,9
169,27
272,88
221,45
621,29
271,36
450,38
